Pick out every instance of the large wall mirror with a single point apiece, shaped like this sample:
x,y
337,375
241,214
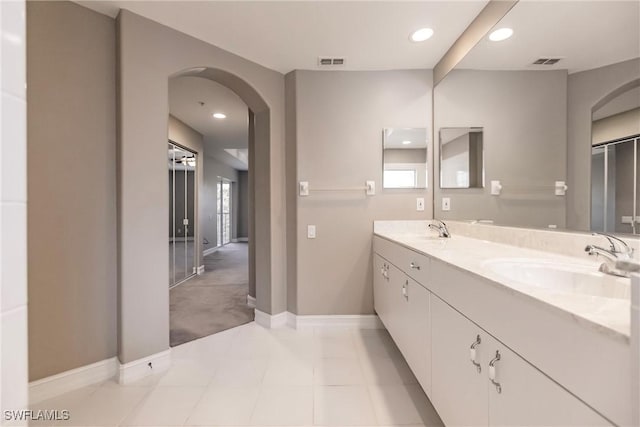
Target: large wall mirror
x,y
404,157
559,107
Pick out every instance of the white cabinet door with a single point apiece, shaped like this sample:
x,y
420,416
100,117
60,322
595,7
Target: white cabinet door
x,y
526,396
416,339
387,297
380,300
459,390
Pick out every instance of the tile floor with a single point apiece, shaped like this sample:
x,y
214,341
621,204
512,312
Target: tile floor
x,y
252,376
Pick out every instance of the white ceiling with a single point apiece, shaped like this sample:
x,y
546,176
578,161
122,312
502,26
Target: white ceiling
x,y
586,34
185,95
288,35
395,138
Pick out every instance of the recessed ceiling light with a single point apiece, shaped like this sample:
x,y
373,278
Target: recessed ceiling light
x,y
406,142
219,115
421,35
500,34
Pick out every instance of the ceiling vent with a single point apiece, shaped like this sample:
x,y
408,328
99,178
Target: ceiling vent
x,y
546,61
324,61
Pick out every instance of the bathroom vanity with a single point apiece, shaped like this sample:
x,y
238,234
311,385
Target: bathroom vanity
x,y
499,334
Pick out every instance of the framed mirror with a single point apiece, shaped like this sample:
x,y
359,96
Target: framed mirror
x,y
461,158
404,158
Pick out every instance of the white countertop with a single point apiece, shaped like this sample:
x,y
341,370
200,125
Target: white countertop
x,y
610,316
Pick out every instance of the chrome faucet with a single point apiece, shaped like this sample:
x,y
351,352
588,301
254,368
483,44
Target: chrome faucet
x,y
441,227
618,251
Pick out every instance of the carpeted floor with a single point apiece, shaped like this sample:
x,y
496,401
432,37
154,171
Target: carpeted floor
x,y
215,300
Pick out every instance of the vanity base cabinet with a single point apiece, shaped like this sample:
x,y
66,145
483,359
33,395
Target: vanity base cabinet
x,y
415,338
527,396
459,390
380,289
505,391
402,304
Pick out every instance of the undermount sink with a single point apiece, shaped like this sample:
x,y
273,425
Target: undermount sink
x,y
562,277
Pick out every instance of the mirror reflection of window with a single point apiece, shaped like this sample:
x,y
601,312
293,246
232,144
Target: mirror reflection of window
x,y
404,158
461,158
400,178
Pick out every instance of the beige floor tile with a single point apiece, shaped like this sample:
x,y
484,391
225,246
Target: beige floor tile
x,y
225,406
59,403
297,348
187,372
108,406
402,404
387,371
338,371
289,372
335,347
165,406
240,372
342,406
284,406
375,343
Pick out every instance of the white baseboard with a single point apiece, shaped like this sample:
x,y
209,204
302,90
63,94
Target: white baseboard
x,y
208,251
251,301
141,368
358,321
201,269
243,239
73,379
272,321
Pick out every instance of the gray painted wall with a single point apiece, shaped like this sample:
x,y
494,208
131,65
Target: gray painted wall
x,y
148,54
71,187
523,116
337,126
243,204
584,91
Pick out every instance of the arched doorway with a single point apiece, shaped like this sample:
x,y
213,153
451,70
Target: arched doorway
x,y
213,121
148,55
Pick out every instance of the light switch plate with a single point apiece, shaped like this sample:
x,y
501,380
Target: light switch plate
x,y
311,231
420,204
303,188
370,187
446,204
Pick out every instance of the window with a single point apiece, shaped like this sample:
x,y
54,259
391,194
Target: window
x,y
394,178
223,204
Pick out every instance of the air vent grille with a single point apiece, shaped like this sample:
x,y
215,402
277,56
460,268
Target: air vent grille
x,y
546,61
324,61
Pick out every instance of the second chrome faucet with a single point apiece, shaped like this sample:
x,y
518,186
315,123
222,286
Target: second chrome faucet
x,y
618,251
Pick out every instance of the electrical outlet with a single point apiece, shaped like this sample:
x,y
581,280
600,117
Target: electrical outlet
x,y
311,231
446,204
420,204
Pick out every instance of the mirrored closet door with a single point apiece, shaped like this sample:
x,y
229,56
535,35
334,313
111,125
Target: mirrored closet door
x,y
615,182
182,242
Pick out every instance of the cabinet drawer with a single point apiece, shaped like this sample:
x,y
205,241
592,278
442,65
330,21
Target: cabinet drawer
x,y
415,265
